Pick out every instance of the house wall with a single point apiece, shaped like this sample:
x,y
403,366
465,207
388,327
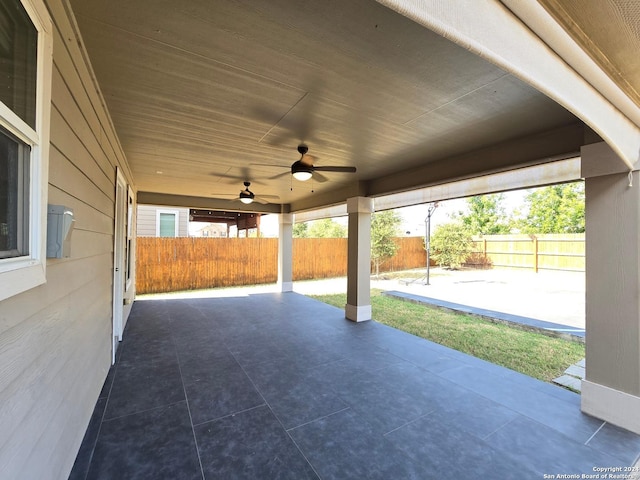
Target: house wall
x,y
147,220
215,230
55,339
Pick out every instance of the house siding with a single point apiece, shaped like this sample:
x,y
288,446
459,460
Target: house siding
x,y
146,224
55,339
147,220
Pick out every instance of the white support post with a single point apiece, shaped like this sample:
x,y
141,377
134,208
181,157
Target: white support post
x,y
285,253
611,390
358,307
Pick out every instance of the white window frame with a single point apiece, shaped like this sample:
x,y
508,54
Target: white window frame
x,y
174,212
26,272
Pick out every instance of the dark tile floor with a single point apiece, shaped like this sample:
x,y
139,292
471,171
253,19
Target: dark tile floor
x,y
282,386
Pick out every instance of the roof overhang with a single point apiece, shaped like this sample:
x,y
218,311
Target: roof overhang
x,y
207,95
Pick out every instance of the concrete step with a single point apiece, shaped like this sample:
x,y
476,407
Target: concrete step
x,y
575,371
569,381
572,377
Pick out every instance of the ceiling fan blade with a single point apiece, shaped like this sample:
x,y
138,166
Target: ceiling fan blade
x,y
307,160
280,175
260,200
232,179
229,180
335,169
275,197
269,165
318,177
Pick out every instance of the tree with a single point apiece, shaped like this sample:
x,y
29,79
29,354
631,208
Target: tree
x,y
327,228
555,209
451,245
384,227
300,230
486,215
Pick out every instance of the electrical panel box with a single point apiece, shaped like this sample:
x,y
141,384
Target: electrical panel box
x,y
59,227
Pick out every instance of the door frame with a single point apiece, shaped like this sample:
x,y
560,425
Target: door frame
x,y
119,239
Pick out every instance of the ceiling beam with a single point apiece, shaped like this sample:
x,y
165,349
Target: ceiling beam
x,y
527,177
153,198
560,171
333,197
537,149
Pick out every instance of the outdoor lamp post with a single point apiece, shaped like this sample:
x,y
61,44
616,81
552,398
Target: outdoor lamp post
x,y
427,235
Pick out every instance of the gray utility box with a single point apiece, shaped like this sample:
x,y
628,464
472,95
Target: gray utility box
x,y
59,227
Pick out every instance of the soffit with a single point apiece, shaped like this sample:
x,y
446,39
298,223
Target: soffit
x,y
212,93
609,31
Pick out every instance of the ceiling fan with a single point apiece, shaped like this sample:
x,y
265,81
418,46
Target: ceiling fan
x,y
304,169
247,196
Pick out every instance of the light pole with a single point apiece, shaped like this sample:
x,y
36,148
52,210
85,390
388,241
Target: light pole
x,y
427,235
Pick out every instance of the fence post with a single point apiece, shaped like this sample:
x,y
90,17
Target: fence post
x,y
484,252
535,254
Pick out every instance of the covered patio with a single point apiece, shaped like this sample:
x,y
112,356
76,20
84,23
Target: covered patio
x,y
110,105
381,105
279,385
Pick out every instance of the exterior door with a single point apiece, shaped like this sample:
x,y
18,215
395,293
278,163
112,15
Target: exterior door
x,y
118,262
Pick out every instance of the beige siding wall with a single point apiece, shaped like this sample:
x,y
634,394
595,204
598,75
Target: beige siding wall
x,y
183,224
146,224
147,220
55,340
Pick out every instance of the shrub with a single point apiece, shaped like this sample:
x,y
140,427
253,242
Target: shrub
x,y
384,229
450,245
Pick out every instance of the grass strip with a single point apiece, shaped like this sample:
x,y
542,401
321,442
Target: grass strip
x,y
533,354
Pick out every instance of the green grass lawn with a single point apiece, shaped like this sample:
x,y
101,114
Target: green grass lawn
x,y
533,354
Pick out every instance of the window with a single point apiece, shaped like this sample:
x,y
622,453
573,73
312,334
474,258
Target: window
x,y
18,54
14,196
25,98
167,223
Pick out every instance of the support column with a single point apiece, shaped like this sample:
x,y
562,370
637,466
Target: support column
x,y
358,306
285,252
611,390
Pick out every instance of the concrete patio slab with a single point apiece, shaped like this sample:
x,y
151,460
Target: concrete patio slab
x,y
282,386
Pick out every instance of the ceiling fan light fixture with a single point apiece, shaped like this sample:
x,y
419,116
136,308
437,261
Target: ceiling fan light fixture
x,y
302,176
246,195
301,171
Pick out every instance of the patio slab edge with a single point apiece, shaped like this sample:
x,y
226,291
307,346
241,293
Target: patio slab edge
x,y
525,323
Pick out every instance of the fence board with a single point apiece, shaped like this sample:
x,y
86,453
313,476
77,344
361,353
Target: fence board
x,y
537,252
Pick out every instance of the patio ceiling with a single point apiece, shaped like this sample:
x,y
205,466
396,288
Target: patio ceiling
x,y
211,94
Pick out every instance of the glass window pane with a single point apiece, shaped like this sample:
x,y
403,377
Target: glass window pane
x,y
14,196
167,225
18,60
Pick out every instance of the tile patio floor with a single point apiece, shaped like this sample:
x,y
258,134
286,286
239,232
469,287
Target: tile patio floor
x,y
282,386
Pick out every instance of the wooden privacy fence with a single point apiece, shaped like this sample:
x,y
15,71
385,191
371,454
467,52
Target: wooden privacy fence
x,y
411,254
173,264
327,257
186,263
319,258
536,252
